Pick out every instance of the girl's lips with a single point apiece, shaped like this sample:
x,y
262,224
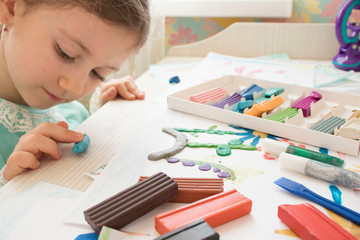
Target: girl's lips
x,y
53,97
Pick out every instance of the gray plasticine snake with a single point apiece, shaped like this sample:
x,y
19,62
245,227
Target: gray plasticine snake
x,y
180,144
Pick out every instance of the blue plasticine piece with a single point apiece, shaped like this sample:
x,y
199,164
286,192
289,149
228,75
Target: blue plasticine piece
x,y
240,106
174,79
247,93
335,193
81,146
87,236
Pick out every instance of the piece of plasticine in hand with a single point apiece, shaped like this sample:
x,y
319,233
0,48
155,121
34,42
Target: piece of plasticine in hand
x,y
81,146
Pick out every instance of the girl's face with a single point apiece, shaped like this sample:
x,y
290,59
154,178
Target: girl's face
x,y
58,55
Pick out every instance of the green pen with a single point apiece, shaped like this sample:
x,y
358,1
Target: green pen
x,y
274,148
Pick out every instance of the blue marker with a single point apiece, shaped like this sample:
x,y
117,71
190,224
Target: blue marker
x,y
81,146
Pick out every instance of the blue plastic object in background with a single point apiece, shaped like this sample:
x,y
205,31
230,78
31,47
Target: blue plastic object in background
x,y
174,79
81,146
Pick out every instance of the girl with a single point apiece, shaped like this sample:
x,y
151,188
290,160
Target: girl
x,y
53,52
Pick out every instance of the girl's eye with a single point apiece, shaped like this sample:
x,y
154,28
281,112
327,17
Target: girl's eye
x,y
95,75
63,54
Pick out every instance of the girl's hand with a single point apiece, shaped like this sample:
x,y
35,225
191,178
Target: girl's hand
x,y
42,140
124,87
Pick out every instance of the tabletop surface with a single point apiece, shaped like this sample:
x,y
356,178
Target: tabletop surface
x,y
131,130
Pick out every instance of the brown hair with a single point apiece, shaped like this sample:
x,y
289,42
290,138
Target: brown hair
x,y
131,14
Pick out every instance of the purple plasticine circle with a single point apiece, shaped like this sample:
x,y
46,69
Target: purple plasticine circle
x,y
173,160
205,167
188,163
223,175
216,170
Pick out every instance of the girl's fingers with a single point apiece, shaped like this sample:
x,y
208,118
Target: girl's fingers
x,y
18,162
125,90
108,95
63,124
37,144
130,91
125,87
59,132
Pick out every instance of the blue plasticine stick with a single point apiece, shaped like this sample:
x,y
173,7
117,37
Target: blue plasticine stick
x,y
81,146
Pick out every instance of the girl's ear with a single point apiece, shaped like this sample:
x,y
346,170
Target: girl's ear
x,y
7,11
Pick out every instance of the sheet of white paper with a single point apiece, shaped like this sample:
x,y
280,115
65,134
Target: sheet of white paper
x,y
218,65
12,211
44,221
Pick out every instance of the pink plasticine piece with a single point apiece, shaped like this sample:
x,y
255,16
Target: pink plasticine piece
x,y
215,210
211,95
265,106
304,104
311,224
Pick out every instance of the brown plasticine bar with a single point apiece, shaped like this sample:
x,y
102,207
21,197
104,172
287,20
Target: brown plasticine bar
x,y
128,205
194,189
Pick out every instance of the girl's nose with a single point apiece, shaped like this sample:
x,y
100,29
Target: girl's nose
x,y
73,85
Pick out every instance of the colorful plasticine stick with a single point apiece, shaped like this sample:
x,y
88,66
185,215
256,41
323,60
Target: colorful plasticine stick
x,y
212,95
266,106
248,93
131,203
81,146
231,100
328,125
311,224
215,210
281,116
198,230
305,103
193,189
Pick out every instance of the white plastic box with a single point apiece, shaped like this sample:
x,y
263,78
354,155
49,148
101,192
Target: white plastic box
x,y
296,129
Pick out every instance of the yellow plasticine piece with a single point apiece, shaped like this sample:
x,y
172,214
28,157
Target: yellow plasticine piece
x,y
265,106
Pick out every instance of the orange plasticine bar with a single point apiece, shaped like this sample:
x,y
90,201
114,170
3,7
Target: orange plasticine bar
x,y
215,210
193,189
265,106
311,224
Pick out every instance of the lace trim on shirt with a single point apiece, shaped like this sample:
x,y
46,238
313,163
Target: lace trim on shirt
x,y
20,119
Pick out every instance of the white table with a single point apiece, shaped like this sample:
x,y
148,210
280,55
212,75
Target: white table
x,y
112,130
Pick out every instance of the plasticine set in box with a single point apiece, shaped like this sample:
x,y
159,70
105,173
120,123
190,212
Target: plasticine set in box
x,y
312,116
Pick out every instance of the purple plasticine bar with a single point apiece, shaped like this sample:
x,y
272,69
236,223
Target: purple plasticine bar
x,y
233,99
132,203
304,104
310,223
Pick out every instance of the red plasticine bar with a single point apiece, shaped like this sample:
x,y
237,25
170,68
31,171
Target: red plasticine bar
x,y
193,189
311,224
211,95
215,210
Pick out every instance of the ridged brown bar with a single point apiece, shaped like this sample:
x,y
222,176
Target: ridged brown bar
x,y
194,189
128,205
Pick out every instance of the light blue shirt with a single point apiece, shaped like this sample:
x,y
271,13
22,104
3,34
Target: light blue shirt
x,y
16,120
